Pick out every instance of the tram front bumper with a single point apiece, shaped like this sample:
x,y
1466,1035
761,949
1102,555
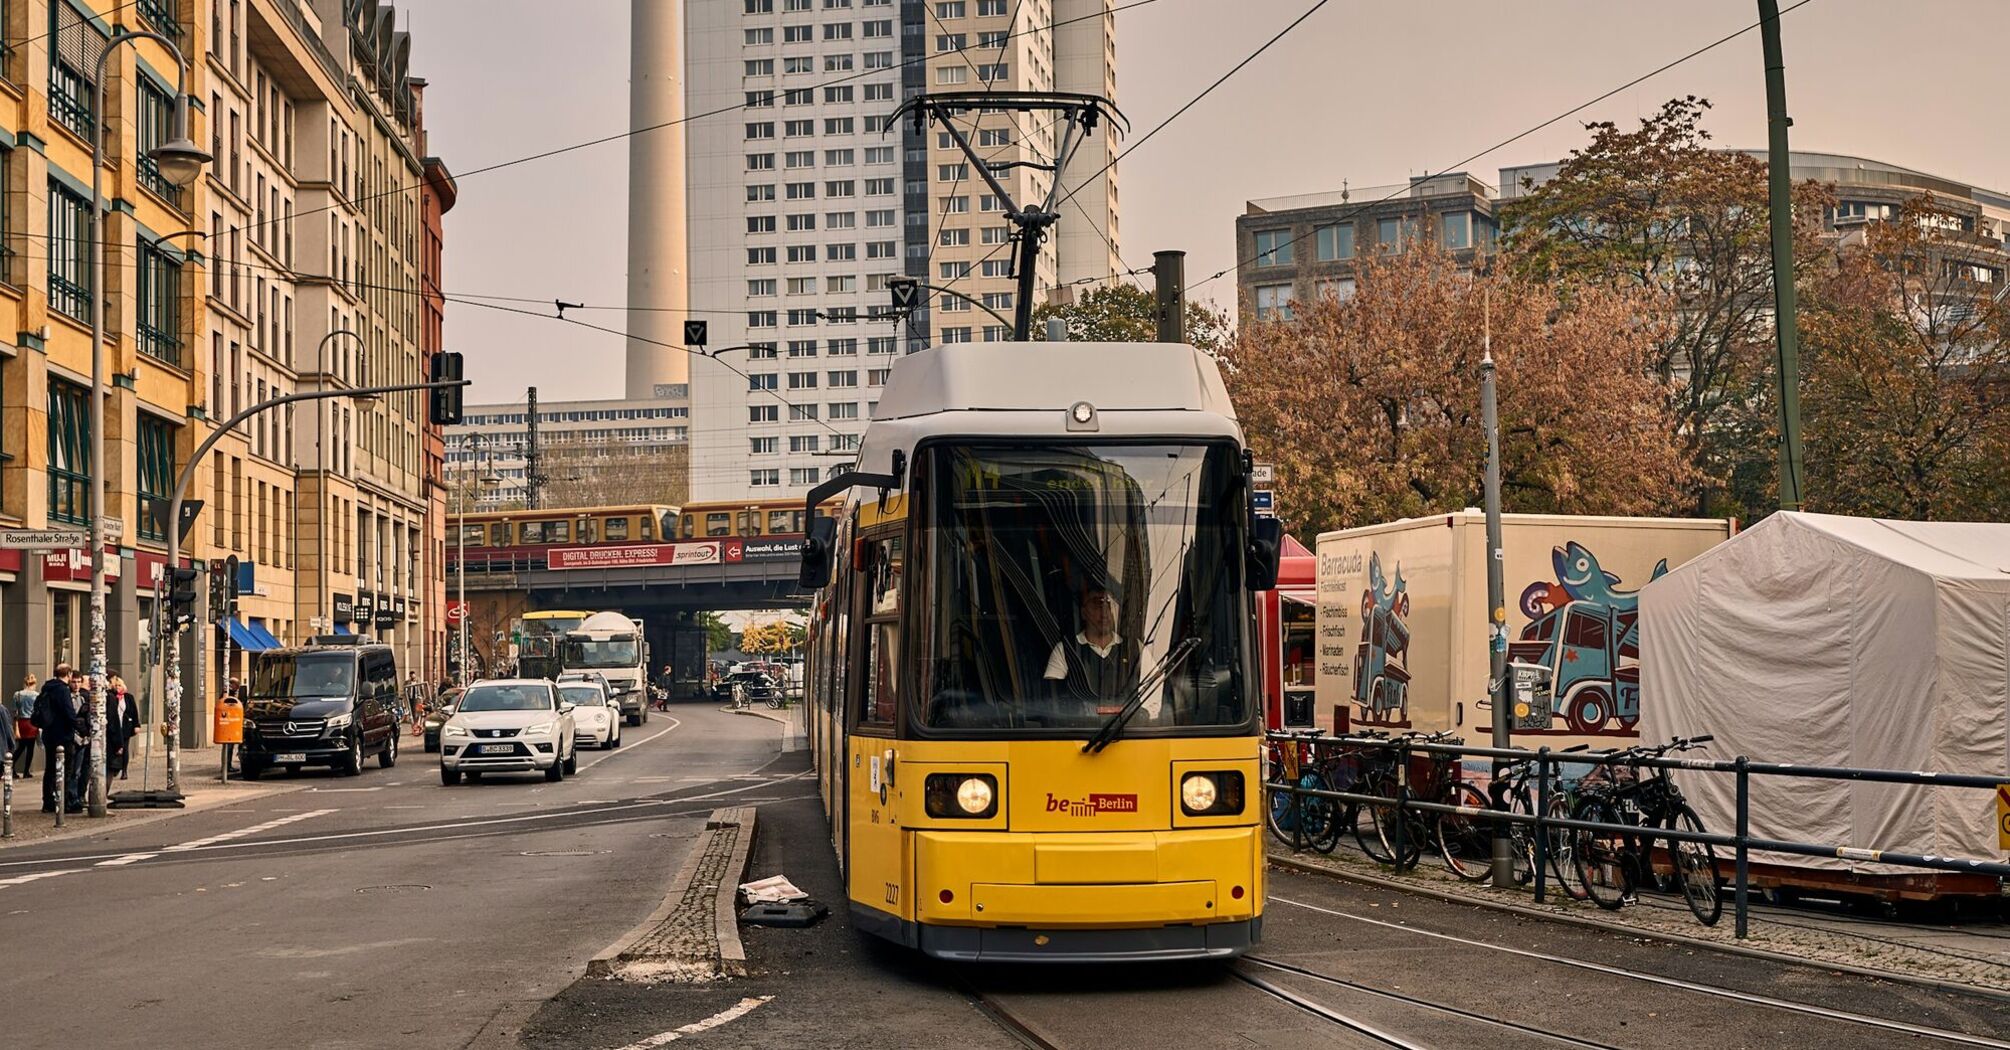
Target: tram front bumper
x,y
1186,893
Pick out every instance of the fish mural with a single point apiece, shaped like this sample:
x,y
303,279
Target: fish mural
x,y
1584,630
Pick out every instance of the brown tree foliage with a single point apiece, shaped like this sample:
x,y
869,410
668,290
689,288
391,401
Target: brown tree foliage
x,y
1906,374
1660,208
1370,407
1122,313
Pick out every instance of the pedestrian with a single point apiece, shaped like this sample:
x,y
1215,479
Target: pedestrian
x,y
80,768
56,717
22,709
122,721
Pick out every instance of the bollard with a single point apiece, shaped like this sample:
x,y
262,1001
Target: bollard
x,y
1399,845
62,785
1744,831
1541,815
7,794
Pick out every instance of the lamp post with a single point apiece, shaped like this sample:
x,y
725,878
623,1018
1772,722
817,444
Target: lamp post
x,y
482,482
181,484
180,162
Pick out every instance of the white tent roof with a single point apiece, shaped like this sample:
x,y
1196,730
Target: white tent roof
x,y
1958,550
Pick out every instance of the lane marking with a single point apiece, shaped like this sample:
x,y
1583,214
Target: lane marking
x,y
207,846
627,746
337,791
1673,982
130,858
181,847
732,1013
21,879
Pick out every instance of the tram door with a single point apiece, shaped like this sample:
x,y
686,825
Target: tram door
x,y
877,864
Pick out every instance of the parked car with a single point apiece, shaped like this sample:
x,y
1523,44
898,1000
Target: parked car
x,y
321,705
443,709
757,687
597,714
511,725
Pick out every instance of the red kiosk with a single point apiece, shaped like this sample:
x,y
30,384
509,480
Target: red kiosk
x,y
1287,640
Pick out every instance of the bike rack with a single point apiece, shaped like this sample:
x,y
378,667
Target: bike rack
x,y
1741,842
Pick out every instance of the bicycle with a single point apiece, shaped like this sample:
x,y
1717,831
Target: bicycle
x,y
1461,840
1294,818
1520,798
1612,864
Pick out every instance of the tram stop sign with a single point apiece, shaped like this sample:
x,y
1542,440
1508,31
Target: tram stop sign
x,y
695,333
905,291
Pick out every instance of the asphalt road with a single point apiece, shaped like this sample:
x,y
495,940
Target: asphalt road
x,y
377,911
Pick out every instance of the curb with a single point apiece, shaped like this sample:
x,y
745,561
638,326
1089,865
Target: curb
x,y
727,955
781,717
1384,882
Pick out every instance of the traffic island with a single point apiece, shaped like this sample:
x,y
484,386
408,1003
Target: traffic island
x,y
694,935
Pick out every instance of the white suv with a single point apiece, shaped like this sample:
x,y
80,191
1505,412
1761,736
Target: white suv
x,y
515,725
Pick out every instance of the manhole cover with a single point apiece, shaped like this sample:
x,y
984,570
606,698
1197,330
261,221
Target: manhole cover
x,y
563,852
401,887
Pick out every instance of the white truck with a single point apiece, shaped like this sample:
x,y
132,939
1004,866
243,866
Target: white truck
x,y
611,645
1402,621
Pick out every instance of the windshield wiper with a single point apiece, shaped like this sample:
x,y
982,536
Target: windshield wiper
x,y
1151,681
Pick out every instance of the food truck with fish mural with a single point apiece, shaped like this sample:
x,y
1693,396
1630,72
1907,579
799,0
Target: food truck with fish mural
x,y
1402,619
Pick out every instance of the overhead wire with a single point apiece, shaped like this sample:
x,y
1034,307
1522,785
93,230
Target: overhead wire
x,y
1510,140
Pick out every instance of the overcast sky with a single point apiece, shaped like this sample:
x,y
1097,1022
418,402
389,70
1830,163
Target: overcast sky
x,y
1372,91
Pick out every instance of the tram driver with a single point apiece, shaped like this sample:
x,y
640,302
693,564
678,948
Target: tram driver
x,y
1096,665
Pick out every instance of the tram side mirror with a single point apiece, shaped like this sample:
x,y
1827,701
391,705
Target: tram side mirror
x,y
818,543
1266,549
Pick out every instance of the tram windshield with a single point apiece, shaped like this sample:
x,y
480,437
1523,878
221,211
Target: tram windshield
x,y
1069,579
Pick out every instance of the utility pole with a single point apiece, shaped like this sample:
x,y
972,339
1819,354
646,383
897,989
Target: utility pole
x,y
1780,186
1169,272
1498,689
533,458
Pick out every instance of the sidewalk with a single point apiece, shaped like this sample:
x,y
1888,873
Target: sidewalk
x,y
200,784
794,718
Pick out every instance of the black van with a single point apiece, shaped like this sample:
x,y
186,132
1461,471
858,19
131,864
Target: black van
x,y
322,705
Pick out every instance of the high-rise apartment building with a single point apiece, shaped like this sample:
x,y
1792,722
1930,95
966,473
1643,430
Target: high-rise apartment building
x,y
805,202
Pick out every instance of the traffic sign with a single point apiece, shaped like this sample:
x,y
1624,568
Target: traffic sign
x,y
43,539
1262,500
905,292
1263,473
696,332
456,612
189,509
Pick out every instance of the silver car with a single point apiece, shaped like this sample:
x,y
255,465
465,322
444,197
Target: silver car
x,y
512,725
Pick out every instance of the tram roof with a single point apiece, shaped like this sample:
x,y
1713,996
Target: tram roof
x,y
1026,390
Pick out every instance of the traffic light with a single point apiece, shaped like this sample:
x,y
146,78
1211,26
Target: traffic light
x,y
445,402
230,585
182,594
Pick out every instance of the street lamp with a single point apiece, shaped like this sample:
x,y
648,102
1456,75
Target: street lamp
x,y
180,162
482,483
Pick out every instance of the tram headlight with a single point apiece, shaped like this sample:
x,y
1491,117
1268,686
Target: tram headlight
x,y
1213,794
961,796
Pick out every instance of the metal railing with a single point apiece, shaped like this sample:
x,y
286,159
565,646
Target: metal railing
x,y
1548,765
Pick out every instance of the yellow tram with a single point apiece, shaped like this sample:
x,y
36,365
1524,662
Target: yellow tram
x,y
1033,704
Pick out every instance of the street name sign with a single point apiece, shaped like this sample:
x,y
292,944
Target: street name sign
x,y
43,539
1263,473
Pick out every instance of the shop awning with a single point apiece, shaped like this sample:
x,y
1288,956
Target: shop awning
x,y
241,636
258,631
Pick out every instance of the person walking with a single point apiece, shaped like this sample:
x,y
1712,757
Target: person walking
x,y
122,721
22,710
80,769
56,717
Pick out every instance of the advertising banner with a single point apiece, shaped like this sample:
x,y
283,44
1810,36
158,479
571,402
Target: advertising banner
x,y
635,555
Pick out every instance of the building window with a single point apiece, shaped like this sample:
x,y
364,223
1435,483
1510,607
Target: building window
x,y
761,381
1273,302
763,413
1273,248
156,456
844,409
1393,233
69,453
1337,289
803,443
763,446
73,51
69,252
155,124
159,306
1334,242
1458,229
764,478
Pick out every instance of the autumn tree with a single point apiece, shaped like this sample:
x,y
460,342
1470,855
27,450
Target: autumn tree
x,y
1906,384
1659,209
772,638
1370,407
1124,313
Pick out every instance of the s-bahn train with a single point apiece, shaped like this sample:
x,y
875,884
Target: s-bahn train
x,y
522,539
1033,694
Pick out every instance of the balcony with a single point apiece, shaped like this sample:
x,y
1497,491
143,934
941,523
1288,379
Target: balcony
x,y
160,16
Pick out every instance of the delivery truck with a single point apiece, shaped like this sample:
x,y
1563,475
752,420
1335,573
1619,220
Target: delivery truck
x,y
1402,626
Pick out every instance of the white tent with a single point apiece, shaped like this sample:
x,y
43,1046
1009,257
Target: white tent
x,y
1826,640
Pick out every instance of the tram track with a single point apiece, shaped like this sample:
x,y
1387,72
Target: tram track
x,y
1407,1000
1732,995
